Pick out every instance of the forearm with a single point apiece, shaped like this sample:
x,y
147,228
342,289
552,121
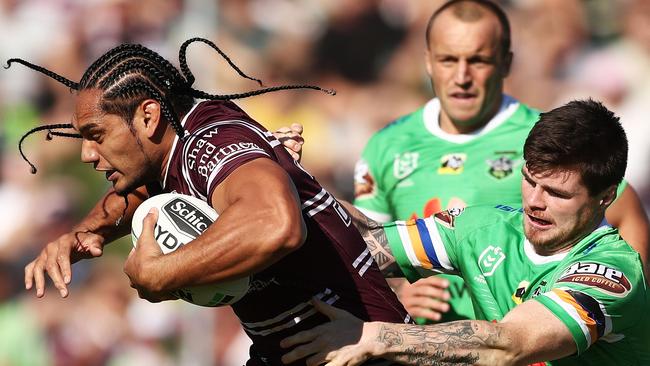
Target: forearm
x,y
242,241
111,217
375,237
456,343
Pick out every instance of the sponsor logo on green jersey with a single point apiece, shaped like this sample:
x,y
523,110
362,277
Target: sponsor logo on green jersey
x,y
452,163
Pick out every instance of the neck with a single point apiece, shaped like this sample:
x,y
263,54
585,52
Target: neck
x,y
166,146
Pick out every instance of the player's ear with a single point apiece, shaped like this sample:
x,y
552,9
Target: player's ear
x,y
608,196
428,62
148,114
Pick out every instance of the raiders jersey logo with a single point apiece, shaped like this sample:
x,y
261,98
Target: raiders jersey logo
x,y
502,165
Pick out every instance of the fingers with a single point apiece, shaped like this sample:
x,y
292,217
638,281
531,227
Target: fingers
x,y
63,261
300,352
329,310
300,338
148,225
434,281
39,277
426,289
55,255
29,275
296,128
426,298
427,313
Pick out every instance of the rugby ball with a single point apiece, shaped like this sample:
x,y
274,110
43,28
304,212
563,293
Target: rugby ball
x,y
181,219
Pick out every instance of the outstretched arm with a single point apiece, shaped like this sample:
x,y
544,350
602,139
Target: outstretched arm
x,y
86,240
514,341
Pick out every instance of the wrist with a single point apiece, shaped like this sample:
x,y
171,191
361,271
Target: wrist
x,y
374,339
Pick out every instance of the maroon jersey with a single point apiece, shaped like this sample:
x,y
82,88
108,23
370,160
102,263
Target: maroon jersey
x,y
333,265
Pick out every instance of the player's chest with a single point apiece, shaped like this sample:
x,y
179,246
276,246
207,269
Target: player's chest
x,y
508,274
496,162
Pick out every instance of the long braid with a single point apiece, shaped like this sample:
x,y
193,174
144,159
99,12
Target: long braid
x,y
50,133
188,73
67,82
203,95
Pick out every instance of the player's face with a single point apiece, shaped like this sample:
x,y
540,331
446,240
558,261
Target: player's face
x,y
558,209
109,144
467,67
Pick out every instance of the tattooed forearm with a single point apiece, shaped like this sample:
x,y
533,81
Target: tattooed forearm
x,y
375,237
377,243
456,343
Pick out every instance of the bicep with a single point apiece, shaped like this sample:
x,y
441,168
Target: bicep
x,y
260,195
538,334
260,180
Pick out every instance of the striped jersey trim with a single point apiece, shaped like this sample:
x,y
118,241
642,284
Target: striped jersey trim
x,y
318,203
363,262
290,317
585,316
422,244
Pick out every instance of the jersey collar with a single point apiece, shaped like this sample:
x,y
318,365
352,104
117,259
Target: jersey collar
x,y
431,115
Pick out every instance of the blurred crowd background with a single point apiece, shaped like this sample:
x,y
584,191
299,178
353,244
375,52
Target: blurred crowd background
x,y
370,51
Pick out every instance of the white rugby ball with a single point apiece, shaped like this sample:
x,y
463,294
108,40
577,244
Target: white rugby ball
x,y
182,218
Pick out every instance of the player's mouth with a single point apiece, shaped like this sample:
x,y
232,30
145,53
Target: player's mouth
x,y
463,97
111,175
537,222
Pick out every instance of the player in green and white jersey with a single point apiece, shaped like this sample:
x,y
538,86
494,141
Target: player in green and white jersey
x,y
596,289
549,281
412,168
464,147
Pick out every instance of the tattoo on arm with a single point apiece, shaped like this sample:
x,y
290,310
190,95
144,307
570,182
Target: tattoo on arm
x,y
455,343
375,237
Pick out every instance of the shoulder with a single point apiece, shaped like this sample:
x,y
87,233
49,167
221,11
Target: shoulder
x,y
525,115
217,113
604,263
406,124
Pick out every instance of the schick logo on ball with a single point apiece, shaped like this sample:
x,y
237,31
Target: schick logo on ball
x,y
186,218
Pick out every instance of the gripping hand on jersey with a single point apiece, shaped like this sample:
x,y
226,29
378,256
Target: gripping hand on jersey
x,y
291,138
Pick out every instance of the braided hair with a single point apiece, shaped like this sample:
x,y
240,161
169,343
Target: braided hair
x,y
131,73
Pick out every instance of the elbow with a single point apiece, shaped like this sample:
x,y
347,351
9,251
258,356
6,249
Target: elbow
x,y
287,233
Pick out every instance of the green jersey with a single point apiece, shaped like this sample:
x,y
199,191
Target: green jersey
x,y
412,168
597,289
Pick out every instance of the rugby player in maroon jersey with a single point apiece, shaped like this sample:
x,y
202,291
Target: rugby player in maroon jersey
x,y
141,127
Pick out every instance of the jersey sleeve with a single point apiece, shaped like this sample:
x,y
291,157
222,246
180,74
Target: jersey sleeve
x,y
370,195
597,299
216,150
424,247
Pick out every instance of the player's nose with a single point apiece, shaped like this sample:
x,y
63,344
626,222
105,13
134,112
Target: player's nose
x,y
89,152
